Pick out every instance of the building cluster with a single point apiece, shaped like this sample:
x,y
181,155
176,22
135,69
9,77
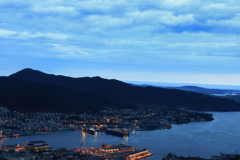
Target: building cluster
x,y
39,150
59,154
172,156
14,123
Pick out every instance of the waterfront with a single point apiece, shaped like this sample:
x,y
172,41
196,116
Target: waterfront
x,y
194,139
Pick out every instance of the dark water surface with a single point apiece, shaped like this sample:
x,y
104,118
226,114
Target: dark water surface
x,y
194,139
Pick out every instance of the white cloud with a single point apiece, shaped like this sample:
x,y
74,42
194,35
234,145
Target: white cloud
x,y
27,35
144,35
6,33
69,10
67,51
210,44
158,16
176,2
232,23
98,21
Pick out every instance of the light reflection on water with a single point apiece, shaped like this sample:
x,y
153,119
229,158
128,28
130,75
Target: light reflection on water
x,y
194,139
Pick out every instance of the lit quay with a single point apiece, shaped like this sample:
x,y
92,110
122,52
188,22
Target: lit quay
x,y
40,150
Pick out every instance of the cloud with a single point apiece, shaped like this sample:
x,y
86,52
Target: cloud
x,y
168,35
69,10
230,23
105,22
27,35
160,17
6,33
67,51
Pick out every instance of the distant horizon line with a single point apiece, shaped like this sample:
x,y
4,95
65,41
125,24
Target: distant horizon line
x,y
174,84
157,84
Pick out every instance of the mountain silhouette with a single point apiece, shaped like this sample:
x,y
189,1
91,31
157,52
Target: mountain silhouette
x,y
129,94
21,95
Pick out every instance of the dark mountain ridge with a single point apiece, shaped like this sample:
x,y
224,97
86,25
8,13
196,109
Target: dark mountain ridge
x,y
209,91
126,93
221,93
21,95
205,90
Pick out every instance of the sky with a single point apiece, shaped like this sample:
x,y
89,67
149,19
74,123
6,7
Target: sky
x,y
177,41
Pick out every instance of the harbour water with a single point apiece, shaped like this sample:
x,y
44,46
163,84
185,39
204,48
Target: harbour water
x,y
194,139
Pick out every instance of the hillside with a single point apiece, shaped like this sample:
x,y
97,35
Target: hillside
x,y
205,90
235,97
29,96
120,91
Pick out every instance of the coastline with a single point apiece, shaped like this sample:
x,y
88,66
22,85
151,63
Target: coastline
x,y
193,139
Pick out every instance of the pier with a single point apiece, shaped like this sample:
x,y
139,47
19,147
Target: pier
x,y
38,149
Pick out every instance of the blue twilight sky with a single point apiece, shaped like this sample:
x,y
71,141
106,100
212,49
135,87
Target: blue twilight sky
x,y
178,41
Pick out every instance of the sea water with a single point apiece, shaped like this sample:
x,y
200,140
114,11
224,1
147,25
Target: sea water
x,y
193,139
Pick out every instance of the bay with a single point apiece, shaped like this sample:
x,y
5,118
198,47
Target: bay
x,y
194,139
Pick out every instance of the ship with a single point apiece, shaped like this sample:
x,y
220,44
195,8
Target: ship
x,y
168,126
36,144
91,130
118,133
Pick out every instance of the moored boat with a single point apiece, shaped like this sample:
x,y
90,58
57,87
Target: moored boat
x,y
118,133
91,130
36,145
168,126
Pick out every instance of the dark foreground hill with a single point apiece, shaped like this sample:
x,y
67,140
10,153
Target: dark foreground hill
x,y
29,96
120,91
